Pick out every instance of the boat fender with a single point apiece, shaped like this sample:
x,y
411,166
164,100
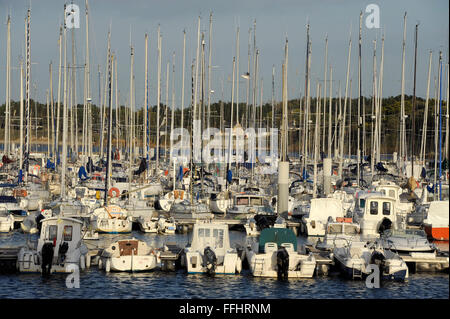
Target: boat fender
x,y
108,265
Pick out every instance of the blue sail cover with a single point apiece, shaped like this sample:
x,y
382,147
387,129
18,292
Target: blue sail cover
x,y
82,173
50,165
229,176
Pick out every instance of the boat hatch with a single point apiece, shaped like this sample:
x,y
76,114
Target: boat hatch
x,y
128,247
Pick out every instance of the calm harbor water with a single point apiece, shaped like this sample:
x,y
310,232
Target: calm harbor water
x,y
95,284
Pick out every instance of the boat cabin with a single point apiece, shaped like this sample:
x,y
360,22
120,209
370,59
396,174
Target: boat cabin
x,y
214,235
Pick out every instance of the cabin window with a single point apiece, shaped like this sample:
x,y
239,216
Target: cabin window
x,y
386,208
67,233
362,203
392,193
207,232
350,230
335,229
218,236
201,232
52,231
242,201
256,201
373,208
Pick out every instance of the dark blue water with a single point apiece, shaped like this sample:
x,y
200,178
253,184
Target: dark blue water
x,y
95,284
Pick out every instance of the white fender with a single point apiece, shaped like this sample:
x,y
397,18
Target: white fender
x,y
238,265
82,263
88,261
108,265
100,264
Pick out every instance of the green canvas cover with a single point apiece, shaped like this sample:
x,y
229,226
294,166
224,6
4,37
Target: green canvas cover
x,y
278,236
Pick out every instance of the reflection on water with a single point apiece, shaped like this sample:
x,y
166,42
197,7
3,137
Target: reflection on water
x,y
95,284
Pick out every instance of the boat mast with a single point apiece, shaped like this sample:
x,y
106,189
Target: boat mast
x,y
27,92
343,117
423,144
358,152
413,131
316,139
329,113
402,103
21,116
374,108
6,145
158,98
65,123
325,92
230,137
108,157
182,88
145,128
209,69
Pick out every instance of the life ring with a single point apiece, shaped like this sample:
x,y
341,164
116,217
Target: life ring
x,y
175,193
115,190
181,194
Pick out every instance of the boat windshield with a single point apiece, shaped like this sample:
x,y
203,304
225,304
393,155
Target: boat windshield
x,y
256,201
406,232
242,201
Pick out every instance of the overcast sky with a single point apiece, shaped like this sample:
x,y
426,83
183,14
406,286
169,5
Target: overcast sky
x,y
275,19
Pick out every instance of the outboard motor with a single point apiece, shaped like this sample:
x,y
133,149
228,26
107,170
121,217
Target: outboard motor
x,y
47,258
282,263
384,225
209,261
63,248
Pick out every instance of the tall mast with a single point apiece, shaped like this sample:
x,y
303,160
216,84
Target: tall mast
x,y
8,89
65,123
209,69
158,101
172,122
423,144
145,129
237,76
108,156
374,109
330,112
358,151
380,99
316,139
325,92
402,103
413,132
182,86
131,116
27,91
21,116
341,143
88,87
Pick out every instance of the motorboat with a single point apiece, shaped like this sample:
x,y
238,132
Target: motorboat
x,y
111,219
315,221
210,251
275,255
406,241
6,221
257,223
437,220
355,260
14,207
338,233
172,197
249,204
58,249
128,255
148,223
166,226
187,209
375,213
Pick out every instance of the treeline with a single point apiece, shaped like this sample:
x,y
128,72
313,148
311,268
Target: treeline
x,y
296,109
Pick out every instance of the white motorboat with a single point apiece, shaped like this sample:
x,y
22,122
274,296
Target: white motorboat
x,y
13,206
354,259
406,241
338,233
111,219
128,255
166,226
275,255
210,251
59,246
148,223
6,221
321,209
375,213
